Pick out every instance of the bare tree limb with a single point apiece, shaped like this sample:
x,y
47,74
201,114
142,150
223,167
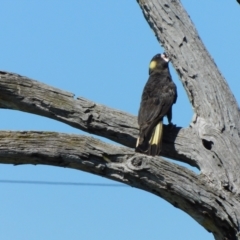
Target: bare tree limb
x,y
207,90
24,94
177,185
217,116
21,93
216,110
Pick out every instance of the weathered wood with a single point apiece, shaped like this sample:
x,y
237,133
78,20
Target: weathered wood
x,y
207,90
217,117
24,94
211,143
178,185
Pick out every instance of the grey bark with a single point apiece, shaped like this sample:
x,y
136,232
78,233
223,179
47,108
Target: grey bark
x,y
216,121
211,143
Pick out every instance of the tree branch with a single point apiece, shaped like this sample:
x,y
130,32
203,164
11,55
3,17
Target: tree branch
x,y
207,90
216,110
177,185
24,94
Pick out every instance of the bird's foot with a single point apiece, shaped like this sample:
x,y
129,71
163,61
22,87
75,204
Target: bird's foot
x,y
171,126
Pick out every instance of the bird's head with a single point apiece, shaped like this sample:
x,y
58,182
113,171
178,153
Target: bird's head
x,y
158,63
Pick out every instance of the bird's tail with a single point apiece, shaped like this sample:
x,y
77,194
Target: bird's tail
x,y
154,145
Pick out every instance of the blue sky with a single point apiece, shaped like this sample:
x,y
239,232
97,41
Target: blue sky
x,y
99,50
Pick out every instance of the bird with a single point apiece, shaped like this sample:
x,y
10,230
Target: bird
x,y
159,94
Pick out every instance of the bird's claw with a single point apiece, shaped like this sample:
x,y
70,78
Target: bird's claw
x,y
171,126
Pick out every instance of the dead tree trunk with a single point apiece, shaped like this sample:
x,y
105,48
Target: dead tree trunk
x,y
211,143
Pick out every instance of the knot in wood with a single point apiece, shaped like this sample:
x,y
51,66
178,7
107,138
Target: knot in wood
x,y
136,162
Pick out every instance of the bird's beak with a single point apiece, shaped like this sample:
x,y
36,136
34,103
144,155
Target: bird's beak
x,y
165,57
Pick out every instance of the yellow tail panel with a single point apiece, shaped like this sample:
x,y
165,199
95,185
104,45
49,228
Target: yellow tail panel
x,y
155,143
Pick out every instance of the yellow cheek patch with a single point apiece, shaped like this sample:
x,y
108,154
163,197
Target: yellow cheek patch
x,y
153,64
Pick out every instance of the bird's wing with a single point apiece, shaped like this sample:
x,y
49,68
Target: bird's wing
x,y
157,99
